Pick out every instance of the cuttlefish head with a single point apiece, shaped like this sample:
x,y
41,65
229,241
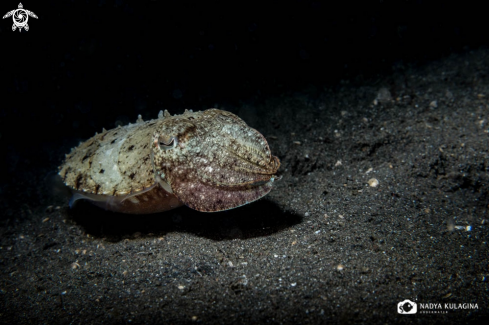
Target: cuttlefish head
x,y
212,160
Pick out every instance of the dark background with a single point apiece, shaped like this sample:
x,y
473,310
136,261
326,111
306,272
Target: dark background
x,y
84,65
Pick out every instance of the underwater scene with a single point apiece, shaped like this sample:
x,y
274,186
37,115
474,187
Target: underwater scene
x,y
244,162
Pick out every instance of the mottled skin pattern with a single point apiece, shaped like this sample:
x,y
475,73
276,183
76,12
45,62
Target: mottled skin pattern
x,y
209,161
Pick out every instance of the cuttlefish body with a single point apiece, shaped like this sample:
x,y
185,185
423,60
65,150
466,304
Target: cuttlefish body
x,y
210,161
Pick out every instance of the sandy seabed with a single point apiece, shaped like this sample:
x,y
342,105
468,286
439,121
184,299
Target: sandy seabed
x,y
384,197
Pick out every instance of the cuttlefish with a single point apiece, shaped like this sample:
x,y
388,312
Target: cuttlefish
x,y
209,160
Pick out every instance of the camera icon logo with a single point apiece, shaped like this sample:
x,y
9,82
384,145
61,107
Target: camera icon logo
x,y
407,307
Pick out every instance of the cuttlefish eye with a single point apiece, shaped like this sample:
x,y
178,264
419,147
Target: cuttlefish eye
x,y
167,142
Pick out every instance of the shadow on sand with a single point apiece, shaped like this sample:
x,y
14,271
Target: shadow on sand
x,y
257,219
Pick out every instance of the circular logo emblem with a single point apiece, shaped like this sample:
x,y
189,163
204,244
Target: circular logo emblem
x,y
20,18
